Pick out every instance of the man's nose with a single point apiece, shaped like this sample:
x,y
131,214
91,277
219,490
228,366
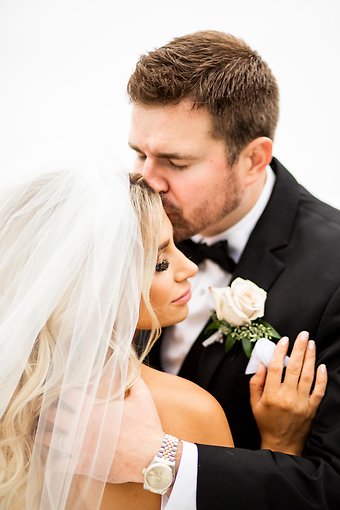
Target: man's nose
x,y
154,177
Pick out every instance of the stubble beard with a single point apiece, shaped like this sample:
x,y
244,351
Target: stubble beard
x,y
207,214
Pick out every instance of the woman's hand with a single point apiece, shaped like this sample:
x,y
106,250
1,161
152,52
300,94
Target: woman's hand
x,y
284,410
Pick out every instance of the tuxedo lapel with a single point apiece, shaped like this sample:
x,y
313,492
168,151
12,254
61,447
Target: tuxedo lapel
x,y
260,262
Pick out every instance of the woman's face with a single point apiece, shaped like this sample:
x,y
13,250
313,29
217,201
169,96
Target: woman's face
x,y
170,289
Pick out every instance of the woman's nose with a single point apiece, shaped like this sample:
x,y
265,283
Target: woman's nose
x,y
186,268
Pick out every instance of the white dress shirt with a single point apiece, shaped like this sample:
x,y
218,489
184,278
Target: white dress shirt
x,y
179,339
183,494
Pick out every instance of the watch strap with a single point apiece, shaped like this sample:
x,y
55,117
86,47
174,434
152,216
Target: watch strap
x,y
168,449
165,457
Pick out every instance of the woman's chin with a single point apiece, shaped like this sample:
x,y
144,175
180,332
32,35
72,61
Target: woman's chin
x,y
172,321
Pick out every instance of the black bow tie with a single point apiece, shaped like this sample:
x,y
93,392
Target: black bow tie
x,y
218,252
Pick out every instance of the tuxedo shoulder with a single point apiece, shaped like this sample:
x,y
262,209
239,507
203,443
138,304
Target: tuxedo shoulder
x,y
306,200
186,409
324,211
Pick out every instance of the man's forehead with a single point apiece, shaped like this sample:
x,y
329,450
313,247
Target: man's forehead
x,y
166,134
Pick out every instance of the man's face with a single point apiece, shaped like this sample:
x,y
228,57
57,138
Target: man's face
x,y
177,155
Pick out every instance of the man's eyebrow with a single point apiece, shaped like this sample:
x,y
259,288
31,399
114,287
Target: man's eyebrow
x,y
165,155
163,245
134,147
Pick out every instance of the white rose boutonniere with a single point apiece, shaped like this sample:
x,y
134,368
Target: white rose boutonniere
x,y
238,315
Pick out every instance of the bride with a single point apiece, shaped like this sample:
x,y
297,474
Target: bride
x,y
85,262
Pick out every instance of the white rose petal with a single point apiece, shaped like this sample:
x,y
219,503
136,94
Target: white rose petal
x,y
225,307
240,303
249,298
232,313
219,297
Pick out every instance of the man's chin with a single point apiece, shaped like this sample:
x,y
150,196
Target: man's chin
x,y
181,229
182,234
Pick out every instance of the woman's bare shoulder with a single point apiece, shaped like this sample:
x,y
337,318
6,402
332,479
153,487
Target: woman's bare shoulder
x,y
187,409
172,386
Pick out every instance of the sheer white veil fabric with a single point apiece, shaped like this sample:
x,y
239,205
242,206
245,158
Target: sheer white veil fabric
x,y
71,262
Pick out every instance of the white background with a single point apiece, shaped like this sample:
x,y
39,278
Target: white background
x,y
64,65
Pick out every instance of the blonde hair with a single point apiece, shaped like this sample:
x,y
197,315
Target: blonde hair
x,y
149,209
19,422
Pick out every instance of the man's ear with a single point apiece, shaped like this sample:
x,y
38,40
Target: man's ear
x,y
257,154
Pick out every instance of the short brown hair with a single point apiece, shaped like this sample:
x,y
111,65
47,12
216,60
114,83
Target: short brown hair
x,y
216,71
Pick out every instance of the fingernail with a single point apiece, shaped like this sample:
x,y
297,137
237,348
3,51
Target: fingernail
x,y
284,340
304,336
322,368
311,345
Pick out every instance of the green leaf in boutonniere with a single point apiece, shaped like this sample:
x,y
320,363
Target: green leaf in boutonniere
x,y
238,316
269,328
229,343
247,346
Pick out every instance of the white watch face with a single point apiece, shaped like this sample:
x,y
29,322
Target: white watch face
x,y
159,476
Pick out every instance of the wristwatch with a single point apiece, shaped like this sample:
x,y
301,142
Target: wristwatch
x,y
160,473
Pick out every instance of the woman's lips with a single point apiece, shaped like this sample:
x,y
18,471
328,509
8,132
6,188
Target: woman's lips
x,y
183,299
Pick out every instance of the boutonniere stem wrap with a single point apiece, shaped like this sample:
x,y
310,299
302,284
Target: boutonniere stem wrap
x,y
238,314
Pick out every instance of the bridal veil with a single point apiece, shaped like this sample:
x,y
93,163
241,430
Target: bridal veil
x,y
71,263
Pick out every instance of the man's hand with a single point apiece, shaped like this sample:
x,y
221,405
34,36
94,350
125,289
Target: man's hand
x,y
284,410
140,438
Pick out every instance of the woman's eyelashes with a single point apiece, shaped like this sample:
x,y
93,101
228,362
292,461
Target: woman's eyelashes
x,y
162,265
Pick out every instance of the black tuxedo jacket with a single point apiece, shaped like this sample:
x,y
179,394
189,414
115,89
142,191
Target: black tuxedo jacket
x,y
294,254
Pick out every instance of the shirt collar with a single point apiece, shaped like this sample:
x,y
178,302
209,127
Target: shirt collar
x,y
238,235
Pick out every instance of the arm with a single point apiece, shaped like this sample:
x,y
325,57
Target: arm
x,y
188,412
265,479
211,458
276,480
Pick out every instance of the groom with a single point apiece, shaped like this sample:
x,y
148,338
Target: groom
x,y
204,113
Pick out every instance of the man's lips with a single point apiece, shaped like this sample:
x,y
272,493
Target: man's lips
x,y
183,298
